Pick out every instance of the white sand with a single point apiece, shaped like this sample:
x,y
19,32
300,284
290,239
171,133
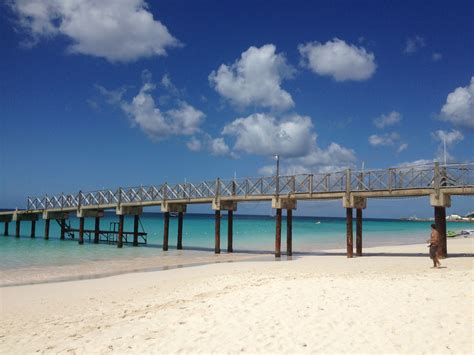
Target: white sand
x,y
377,303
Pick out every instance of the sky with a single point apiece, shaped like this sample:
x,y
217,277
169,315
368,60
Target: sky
x,y
101,94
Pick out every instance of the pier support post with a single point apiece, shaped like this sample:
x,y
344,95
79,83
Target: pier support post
x,y
135,230
96,230
289,232
120,232
63,229
230,206
279,204
217,235
278,233
33,229
349,234
81,230
440,201
17,229
166,225
46,228
5,230
180,231
359,232
230,231
440,221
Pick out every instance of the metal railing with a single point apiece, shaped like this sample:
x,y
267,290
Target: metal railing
x,y
432,176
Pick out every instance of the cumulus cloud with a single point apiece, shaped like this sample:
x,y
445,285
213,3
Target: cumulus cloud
x,y
413,44
292,137
119,31
263,134
194,144
459,106
387,139
255,79
218,146
387,120
338,59
157,124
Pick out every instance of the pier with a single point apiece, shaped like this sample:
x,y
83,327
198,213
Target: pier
x,y
352,188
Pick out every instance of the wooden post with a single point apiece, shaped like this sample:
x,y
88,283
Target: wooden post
x,y
135,230
17,231
166,230
120,232
289,232
63,228
349,235
5,231
97,230
217,248
230,231
278,233
440,221
180,231
33,229
81,230
46,229
359,232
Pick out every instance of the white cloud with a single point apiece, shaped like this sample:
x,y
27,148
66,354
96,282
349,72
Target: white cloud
x,y
402,147
255,79
459,106
157,124
387,120
263,134
436,57
194,144
318,160
119,31
387,139
338,59
413,44
217,146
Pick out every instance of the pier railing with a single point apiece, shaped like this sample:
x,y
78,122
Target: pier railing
x,y
432,176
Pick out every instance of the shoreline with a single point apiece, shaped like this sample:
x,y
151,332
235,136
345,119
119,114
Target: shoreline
x,y
387,301
174,259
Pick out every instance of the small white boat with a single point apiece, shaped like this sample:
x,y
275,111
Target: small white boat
x,y
317,222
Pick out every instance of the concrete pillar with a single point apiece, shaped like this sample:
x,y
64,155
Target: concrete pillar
x,y
230,231
349,234
166,225
81,230
440,221
278,233
97,230
359,232
5,231
46,228
120,232
135,230
217,235
17,229
289,232
180,231
63,229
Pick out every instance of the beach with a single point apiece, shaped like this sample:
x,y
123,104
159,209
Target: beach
x,y
390,300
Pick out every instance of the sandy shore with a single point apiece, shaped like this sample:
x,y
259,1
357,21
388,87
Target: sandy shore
x,y
387,301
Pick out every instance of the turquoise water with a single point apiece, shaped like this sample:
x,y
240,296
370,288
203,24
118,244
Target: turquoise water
x,y
251,233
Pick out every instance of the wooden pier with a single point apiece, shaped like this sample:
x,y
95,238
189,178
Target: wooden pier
x,y
352,188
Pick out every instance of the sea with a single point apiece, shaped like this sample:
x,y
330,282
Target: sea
x,y
252,235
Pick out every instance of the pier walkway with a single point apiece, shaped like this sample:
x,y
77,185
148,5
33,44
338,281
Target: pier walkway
x,y
353,188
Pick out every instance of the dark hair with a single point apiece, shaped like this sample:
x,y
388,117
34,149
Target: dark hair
x,y
433,226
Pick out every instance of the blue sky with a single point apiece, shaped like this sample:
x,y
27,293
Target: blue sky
x,y
105,94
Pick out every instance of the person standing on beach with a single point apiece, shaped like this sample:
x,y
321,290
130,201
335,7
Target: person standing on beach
x,y
434,243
